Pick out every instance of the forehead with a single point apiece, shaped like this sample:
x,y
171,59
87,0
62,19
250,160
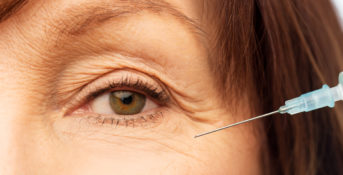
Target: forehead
x,y
58,17
191,8
39,23
81,13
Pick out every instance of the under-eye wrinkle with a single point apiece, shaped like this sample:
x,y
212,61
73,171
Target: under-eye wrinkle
x,y
126,121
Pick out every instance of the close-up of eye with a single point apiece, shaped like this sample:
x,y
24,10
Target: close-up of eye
x,y
122,101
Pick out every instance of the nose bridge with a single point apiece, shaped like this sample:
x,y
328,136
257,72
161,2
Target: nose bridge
x,y
24,132
11,115
9,134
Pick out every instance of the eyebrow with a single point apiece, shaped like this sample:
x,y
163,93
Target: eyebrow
x,y
9,8
77,21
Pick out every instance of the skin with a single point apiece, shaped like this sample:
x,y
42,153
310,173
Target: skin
x,y
42,72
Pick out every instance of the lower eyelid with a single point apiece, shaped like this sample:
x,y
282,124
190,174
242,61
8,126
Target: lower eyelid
x,y
148,120
150,116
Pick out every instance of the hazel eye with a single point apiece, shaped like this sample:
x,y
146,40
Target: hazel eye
x,y
122,103
126,102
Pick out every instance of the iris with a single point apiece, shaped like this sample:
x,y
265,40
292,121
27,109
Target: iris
x,y
127,102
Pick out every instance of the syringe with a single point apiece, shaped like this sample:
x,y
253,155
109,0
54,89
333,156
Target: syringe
x,y
310,101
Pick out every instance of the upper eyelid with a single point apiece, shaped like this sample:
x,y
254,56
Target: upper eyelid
x,y
138,87
69,84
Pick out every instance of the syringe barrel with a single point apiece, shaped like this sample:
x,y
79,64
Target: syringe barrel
x,y
320,98
310,101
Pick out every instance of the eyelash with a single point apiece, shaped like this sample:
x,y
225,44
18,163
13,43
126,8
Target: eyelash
x,y
138,86
158,96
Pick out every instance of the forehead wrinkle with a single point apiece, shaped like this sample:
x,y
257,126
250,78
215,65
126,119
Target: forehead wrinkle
x,y
69,37
10,7
77,20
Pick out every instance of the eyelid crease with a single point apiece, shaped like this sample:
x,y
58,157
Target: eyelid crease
x,y
70,85
128,85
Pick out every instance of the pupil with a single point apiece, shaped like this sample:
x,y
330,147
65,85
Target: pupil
x,y
127,100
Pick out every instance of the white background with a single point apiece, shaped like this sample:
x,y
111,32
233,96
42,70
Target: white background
x,y
339,5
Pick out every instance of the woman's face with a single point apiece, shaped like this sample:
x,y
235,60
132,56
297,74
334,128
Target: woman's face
x,y
115,87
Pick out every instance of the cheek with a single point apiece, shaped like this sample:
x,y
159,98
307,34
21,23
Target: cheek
x,y
167,149
234,151
132,162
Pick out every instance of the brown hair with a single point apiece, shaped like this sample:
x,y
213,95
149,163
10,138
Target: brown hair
x,y
276,50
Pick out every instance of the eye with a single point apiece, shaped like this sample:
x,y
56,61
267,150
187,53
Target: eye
x,y
122,102
121,99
